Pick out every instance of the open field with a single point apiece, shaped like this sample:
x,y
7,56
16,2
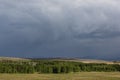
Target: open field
x,y
70,76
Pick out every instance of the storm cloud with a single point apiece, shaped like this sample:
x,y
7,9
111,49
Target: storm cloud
x,y
60,28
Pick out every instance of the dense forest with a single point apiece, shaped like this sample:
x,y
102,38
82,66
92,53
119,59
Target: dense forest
x,y
49,66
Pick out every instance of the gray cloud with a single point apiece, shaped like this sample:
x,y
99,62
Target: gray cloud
x,y
73,28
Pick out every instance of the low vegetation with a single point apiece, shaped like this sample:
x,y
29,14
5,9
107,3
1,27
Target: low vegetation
x,y
69,76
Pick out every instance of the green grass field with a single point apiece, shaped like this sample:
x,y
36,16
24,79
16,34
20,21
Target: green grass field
x,y
70,76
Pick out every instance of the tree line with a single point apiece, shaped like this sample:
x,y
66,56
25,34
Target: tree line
x,y
46,66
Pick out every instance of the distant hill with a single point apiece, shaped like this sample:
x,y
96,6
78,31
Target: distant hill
x,y
84,60
62,59
14,59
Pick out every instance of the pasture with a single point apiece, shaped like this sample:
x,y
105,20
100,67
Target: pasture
x,y
69,76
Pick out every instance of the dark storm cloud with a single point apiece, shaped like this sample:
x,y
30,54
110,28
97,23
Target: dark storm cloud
x,y
60,28
98,34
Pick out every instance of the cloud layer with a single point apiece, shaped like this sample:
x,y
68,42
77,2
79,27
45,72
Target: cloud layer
x,y
65,28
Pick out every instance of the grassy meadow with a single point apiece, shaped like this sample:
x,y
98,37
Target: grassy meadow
x,y
70,76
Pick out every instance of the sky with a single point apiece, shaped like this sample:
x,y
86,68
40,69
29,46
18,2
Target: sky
x,y
60,28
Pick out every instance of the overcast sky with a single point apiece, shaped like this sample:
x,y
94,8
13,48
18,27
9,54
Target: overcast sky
x,y
60,28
